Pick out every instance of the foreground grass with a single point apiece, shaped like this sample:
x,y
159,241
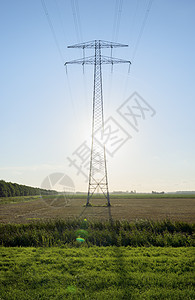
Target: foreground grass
x,y
111,233
96,273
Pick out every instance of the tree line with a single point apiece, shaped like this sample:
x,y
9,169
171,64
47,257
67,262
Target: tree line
x,y
9,189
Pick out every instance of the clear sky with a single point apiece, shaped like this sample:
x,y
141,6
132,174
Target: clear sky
x,y
46,115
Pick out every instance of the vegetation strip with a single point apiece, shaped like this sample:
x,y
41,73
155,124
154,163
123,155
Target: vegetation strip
x,y
9,189
97,273
97,233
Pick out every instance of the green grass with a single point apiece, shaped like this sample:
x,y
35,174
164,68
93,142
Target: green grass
x,y
109,233
6,200
97,273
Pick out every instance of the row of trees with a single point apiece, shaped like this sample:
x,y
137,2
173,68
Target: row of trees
x,y
9,189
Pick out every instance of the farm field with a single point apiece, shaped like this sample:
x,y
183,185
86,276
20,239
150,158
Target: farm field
x,y
139,248
97,273
128,207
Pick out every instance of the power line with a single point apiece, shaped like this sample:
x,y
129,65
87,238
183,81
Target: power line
x,y
115,32
52,29
72,102
61,57
142,29
133,20
117,19
60,18
76,18
138,38
78,29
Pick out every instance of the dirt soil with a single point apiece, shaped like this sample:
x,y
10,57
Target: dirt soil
x,y
130,209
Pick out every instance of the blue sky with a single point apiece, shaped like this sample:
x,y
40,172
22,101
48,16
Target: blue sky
x,y
46,116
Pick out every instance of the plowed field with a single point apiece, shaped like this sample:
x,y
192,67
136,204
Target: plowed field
x,y
175,209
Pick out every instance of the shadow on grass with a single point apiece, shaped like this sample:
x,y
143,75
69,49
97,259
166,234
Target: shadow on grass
x,y
121,266
83,211
124,279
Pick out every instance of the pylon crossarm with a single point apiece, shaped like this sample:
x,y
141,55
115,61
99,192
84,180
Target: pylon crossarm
x,y
91,61
112,60
101,43
87,60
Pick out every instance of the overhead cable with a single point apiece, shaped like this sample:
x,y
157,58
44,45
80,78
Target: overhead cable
x,y
117,19
142,29
52,29
76,17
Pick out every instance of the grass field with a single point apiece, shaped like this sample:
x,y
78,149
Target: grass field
x,y
43,259
5,200
128,207
9,200
97,273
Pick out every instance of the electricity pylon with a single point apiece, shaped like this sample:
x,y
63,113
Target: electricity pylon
x,y
98,178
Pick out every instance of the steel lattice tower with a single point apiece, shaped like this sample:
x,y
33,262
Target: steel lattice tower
x,y
98,178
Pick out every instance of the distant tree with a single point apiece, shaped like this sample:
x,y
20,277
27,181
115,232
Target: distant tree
x,y
9,189
17,190
12,191
3,189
